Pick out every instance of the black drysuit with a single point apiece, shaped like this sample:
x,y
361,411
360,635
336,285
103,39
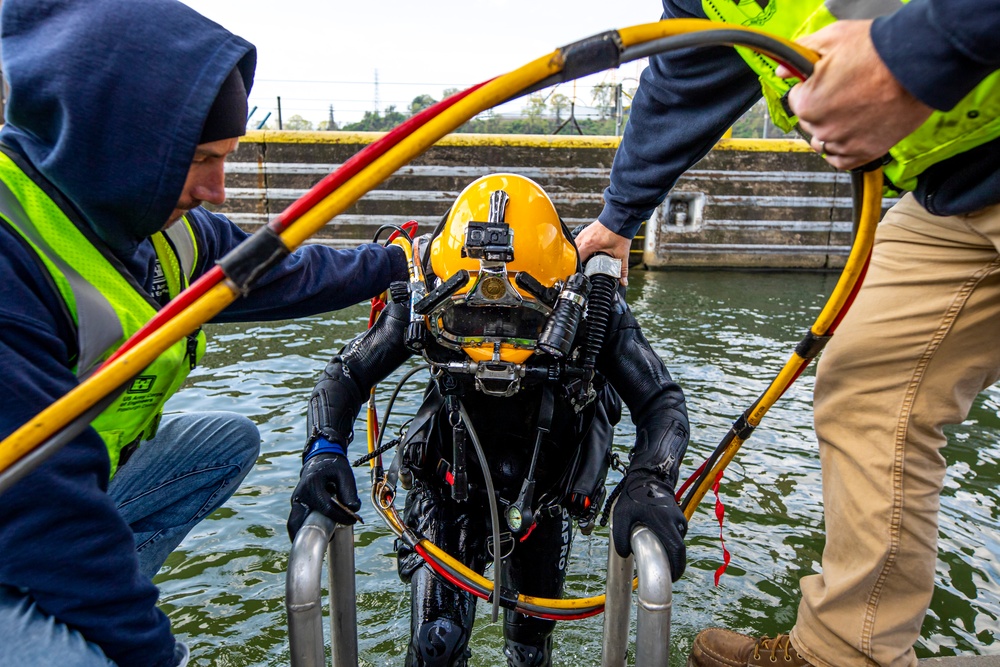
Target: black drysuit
x,y
572,463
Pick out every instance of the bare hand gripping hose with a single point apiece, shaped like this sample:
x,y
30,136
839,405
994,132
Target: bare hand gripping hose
x,y
238,271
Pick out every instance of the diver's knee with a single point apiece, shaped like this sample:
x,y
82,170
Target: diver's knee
x,y
528,655
439,643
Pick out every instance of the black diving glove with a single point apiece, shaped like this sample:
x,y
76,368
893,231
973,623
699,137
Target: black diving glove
x,y
648,500
325,479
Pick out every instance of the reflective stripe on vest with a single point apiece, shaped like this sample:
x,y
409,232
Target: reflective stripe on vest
x,y
105,307
974,121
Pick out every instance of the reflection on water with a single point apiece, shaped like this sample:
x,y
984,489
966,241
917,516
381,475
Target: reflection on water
x,y
723,335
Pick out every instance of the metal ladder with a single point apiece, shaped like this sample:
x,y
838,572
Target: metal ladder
x,y
303,592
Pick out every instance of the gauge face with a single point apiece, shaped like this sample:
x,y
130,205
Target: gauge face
x,y
514,519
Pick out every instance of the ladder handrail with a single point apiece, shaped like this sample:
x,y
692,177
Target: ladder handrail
x,y
655,603
303,593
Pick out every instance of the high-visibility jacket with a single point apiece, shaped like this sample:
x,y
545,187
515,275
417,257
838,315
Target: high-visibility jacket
x,y
106,306
974,121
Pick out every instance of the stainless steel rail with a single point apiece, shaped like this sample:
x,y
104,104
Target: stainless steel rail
x,y
303,598
303,593
655,603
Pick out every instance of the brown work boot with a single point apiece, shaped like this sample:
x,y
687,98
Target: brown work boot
x,y
716,647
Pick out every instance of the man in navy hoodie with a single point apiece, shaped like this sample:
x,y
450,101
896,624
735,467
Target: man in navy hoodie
x,y
920,340
121,114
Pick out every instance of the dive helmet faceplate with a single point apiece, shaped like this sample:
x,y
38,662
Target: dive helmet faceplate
x,y
500,225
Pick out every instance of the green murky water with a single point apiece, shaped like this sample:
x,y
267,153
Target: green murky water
x,y
723,335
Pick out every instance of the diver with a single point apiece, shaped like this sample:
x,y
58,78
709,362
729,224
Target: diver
x,y
530,355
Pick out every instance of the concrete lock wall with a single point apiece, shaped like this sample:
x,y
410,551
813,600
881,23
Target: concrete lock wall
x,y
747,204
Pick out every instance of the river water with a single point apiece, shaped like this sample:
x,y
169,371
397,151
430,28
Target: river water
x,y
723,335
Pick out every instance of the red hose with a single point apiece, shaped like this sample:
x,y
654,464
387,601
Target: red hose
x,y
296,210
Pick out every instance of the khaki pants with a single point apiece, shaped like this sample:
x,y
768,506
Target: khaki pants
x,y
921,341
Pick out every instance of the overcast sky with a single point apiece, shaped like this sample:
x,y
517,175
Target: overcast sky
x,y
314,53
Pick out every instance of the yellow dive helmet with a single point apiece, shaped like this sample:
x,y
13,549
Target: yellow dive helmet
x,y
503,230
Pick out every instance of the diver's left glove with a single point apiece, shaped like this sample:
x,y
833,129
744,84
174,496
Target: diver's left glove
x,y
648,500
326,485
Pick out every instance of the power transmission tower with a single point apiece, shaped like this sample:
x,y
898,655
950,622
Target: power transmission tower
x,y
376,91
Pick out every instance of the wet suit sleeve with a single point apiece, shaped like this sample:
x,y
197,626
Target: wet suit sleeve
x,y
314,279
656,402
685,101
61,538
646,493
939,50
348,378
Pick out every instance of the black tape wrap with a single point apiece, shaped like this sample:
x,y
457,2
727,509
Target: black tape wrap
x,y
508,597
588,56
742,428
812,345
593,54
245,263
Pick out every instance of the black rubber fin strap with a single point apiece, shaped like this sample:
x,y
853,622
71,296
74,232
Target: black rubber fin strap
x,y
245,263
812,345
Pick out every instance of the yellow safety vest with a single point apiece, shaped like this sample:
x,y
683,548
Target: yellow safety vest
x,y
105,307
974,121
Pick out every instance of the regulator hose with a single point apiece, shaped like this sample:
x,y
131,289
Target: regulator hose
x,y
602,291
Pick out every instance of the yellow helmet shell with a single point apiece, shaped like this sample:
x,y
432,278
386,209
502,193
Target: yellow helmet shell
x,y
541,247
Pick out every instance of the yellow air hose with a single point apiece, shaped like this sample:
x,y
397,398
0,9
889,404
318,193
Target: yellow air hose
x,y
849,282
108,379
575,60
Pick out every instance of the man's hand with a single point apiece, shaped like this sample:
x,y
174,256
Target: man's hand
x,y
648,500
598,238
326,485
852,105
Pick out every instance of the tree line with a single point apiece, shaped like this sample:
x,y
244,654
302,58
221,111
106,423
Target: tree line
x,y
541,114
554,113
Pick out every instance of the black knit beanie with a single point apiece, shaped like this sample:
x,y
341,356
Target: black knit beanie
x,y
228,116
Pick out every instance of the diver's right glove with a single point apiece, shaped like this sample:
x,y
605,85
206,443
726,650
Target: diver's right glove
x,y
326,485
648,500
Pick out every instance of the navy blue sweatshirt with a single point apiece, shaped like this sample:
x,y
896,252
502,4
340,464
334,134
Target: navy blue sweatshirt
x,y
939,50
107,102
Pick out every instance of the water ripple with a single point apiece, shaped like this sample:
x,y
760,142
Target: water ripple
x,y
723,335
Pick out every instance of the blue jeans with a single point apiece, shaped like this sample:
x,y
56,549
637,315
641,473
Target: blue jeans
x,y
192,466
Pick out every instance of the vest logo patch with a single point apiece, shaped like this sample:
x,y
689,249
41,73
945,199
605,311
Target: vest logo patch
x,y
757,12
141,384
